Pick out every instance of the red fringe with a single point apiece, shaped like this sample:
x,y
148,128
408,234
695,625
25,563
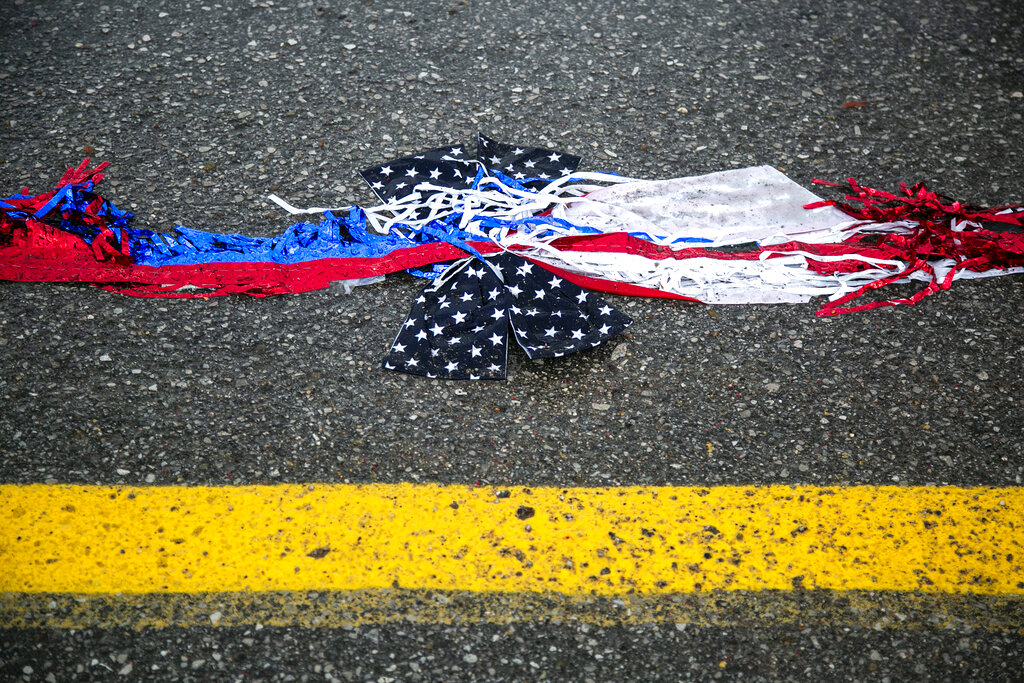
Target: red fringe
x,y
932,237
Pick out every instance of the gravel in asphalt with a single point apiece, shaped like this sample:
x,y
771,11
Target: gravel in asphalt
x,y
205,108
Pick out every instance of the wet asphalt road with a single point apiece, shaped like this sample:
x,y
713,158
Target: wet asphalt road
x,y
204,109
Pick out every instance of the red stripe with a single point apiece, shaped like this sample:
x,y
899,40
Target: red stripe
x,y
40,253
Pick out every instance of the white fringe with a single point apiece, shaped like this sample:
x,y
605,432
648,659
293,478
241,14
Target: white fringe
x,y
730,208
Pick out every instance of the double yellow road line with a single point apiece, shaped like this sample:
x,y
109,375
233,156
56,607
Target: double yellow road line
x,y
525,547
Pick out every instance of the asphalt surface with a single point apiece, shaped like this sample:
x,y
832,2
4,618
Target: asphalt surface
x,y
204,109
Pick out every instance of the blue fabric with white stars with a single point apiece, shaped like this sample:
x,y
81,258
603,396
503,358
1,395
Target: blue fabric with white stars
x,y
459,326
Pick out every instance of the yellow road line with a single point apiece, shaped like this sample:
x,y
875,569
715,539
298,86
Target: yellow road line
x,y
601,542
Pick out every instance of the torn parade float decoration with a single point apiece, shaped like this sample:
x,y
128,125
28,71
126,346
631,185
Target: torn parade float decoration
x,y
541,238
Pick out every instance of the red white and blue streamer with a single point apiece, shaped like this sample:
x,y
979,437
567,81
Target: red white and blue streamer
x,y
744,236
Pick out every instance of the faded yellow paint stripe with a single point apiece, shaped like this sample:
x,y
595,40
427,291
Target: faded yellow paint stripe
x,y
342,609
598,541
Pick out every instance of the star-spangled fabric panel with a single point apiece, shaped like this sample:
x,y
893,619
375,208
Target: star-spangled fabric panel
x,y
552,317
521,163
459,326
446,166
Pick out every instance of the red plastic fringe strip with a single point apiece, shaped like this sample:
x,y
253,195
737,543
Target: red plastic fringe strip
x,y
940,229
